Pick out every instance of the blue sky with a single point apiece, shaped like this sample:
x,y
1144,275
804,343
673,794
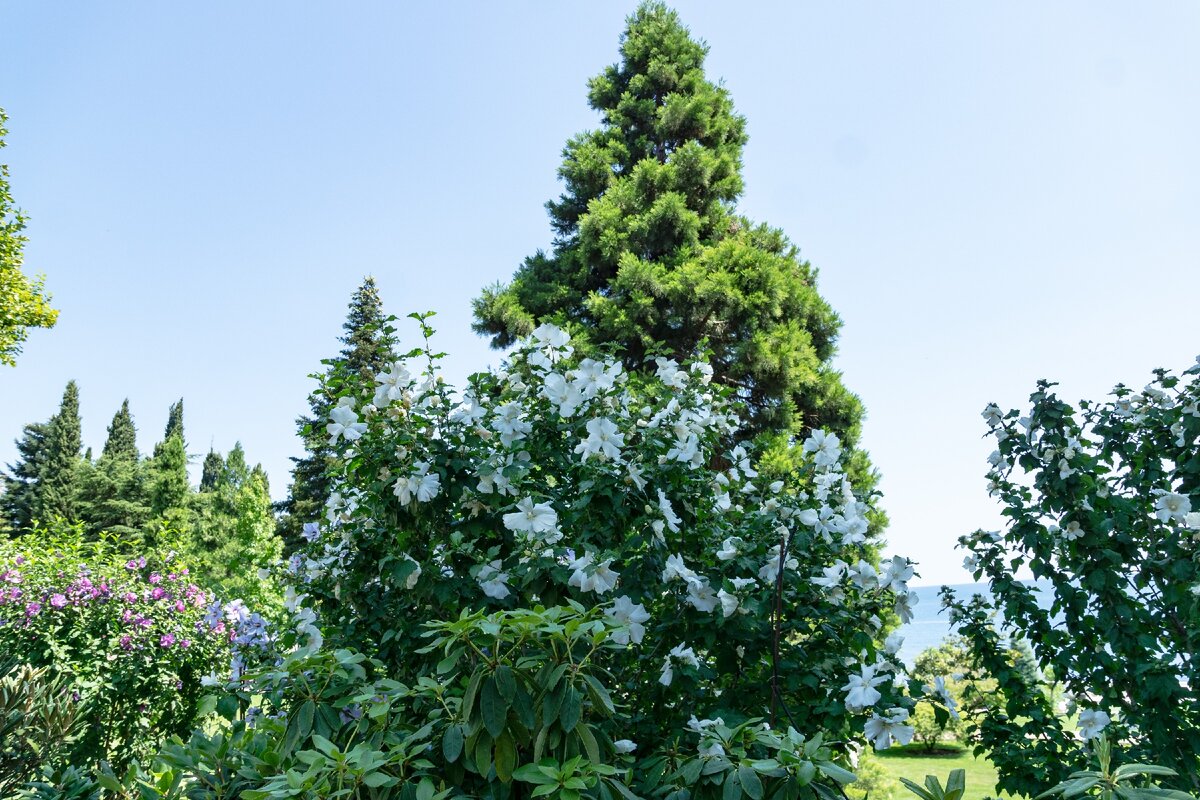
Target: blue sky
x,y
993,193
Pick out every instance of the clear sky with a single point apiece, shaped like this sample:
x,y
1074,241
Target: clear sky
x,y
993,193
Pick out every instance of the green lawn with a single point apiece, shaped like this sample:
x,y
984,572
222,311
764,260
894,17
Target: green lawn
x,y
910,762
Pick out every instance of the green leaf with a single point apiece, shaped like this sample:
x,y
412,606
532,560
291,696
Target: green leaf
x,y
452,743
751,783
836,773
494,708
505,682
506,757
589,743
572,708
483,755
732,790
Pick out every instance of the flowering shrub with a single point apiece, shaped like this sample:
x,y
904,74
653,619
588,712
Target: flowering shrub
x,y
731,594
132,636
1102,502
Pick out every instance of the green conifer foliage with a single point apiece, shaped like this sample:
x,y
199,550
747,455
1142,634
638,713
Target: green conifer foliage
x,y
369,346
113,490
651,256
175,423
210,475
19,500
58,474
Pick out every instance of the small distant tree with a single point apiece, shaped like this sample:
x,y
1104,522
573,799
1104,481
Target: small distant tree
x,y
24,303
1102,503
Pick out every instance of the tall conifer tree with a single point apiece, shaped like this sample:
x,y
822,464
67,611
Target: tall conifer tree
x,y
122,436
210,474
651,256
113,491
369,346
58,476
19,500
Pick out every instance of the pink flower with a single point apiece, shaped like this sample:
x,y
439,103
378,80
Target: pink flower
x,y
185,643
58,600
33,609
157,593
155,577
130,597
166,640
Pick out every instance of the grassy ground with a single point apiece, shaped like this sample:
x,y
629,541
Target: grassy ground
x,y
913,763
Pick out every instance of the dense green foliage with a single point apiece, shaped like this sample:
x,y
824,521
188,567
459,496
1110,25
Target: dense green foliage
x,y
651,256
125,633
369,345
24,303
1098,501
226,530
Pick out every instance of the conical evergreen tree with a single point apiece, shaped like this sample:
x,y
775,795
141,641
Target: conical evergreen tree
x,y
58,484
112,491
122,436
210,474
19,500
168,477
175,423
651,257
369,346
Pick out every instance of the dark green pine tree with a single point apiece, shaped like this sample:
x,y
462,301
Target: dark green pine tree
x,y
20,482
113,490
211,472
651,256
175,423
58,476
369,346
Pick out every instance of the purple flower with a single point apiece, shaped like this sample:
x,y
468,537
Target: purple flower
x,y
126,642
33,609
155,577
158,593
166,640
58,600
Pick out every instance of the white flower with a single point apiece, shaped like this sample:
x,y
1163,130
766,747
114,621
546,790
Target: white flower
x,y
593,377
685,655
896,574
882,729
938,689
311,532
1192,520
532,518
992,415
634,476
1091,723
391,384
624,746
863,575
664,505
554,344
562,394
769,571
729,603
670,374
701,595
729,549
345,423
825,447
860,690
904,606
422,484
893,643
604,439
1073,531
832,575
1172,506
632,615
492,581
676,569
600,579
715,749
411,581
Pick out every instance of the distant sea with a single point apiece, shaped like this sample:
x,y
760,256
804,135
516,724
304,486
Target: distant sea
x,y
930,625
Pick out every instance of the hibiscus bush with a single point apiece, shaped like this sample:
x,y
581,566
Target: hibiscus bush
x,y
131,638
1099,501
716,598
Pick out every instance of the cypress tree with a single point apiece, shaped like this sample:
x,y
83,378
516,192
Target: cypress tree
x,y
651,257
210,475
58,476
175,423
113,491
369,346
122,436
19,500
168,477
